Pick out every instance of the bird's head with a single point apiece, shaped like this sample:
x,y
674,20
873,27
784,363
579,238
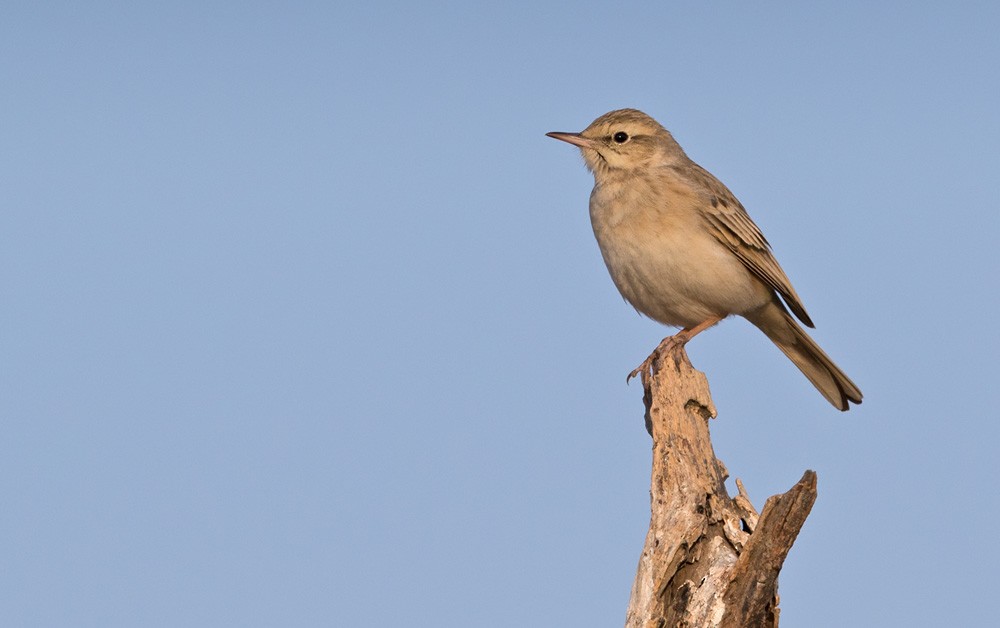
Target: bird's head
x,y
624,140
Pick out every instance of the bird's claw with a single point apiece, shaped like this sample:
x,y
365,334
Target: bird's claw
x,y
646,370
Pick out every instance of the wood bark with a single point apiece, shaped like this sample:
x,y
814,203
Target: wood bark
x,y
709,559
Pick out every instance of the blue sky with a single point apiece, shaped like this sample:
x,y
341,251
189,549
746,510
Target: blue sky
x,y
304,323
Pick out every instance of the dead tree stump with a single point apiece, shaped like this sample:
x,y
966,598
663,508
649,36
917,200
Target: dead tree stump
x,y
709,559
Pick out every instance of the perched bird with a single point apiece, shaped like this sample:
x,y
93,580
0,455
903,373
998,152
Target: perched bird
x,y
683,251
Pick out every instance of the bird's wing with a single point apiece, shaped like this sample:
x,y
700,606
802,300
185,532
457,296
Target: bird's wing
x,y
729,222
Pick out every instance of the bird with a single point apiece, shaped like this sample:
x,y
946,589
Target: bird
x,y
683,251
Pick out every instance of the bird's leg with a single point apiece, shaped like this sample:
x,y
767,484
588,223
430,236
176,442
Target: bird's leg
x,y
668,344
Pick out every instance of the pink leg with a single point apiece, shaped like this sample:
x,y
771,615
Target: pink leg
x,y
668,344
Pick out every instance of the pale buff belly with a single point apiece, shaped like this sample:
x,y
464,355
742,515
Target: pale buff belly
x,y
677,273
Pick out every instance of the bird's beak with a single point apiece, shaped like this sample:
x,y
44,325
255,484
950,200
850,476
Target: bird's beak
x,y
573,138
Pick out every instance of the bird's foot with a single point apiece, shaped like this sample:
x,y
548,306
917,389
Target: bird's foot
x,y
667,346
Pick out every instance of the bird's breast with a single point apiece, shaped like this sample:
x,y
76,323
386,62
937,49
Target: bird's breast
x,y
662,258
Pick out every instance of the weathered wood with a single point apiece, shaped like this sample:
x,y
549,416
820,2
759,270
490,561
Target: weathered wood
x,y
709,559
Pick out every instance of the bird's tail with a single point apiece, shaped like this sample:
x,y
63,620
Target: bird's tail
x,y
803,351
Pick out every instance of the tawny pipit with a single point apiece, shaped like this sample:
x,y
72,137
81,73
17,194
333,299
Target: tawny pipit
x,y
683,251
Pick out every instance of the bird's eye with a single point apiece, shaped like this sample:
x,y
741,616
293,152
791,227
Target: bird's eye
x,y
620,137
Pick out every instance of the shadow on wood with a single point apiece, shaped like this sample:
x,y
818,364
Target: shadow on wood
x,y
709,559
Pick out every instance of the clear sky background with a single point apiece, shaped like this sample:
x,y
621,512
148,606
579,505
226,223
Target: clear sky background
x,y
303,322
